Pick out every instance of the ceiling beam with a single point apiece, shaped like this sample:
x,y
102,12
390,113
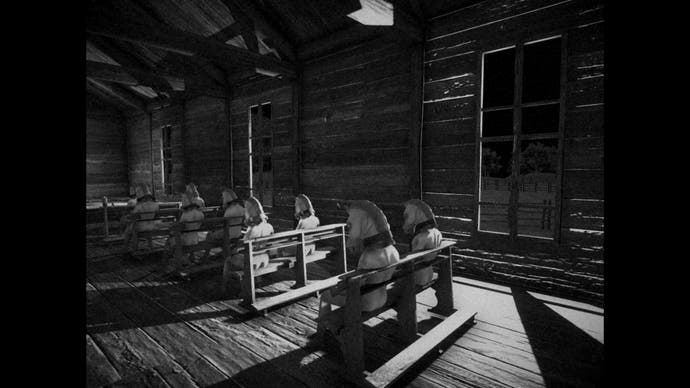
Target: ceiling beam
x,y
261,22
171,39
339,39
133,77
120,95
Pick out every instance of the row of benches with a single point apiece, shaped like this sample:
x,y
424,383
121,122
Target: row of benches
x,y
342,324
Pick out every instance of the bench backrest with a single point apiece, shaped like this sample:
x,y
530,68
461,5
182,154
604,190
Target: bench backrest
x,y
208,224
410,262
290,238
172,213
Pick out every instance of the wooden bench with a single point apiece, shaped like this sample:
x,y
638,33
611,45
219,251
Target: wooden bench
x,y
295,238
345,323
209,225
167,217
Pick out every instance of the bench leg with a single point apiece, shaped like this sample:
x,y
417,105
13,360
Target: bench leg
x,y
300,266
341,255
248,288
407,309
352,337
444,287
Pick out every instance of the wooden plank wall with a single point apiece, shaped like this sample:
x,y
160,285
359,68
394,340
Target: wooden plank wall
x,y
138,147
452,77
106,153
279,94
355,128
170,115
206,146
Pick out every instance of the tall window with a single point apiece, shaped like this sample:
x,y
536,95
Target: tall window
x,y
520,127
260,138
166,157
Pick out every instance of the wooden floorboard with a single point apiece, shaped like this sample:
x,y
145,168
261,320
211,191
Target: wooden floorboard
x,y
145,329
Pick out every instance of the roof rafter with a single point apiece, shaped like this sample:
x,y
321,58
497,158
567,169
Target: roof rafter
x,y
261,22
120,95
171,39
133,77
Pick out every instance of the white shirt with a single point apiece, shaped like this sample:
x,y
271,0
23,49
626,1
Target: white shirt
x,y
146,207
190,216
372,259
427,239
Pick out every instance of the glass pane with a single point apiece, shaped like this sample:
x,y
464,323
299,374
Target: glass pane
x,y
499,78
267,166
495,172
267,144
540,119
537,187
254,110
167,167
266,111
497,123
542,71
493,218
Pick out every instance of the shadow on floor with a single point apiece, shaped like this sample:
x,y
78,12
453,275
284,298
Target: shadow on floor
x,y
567,356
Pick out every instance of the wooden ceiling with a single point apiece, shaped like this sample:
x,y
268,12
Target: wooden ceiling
x,y
143,53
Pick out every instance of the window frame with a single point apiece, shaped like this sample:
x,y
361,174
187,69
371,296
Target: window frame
x,y
261,153
168,184
517,137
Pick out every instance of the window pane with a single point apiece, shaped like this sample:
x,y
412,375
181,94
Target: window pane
x,y
537,187
254,110
493,218
266,111
267,166
267,144
542,71
497,123
540,119
536,221
495,171
499,78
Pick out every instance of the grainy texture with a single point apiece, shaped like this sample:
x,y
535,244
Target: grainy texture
x,y
106,152
146,330
449,158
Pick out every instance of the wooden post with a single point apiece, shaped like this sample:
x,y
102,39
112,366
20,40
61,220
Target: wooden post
x,y
248,294
105,216
407,308
444,287
341,253
416,111
300,265
352,338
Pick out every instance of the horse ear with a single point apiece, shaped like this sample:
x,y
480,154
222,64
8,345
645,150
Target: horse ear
x,y
342,205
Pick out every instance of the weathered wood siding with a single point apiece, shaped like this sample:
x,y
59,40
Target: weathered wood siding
x,y
449,160
355,128
106,153
199,147
206,146
279,94
138,147
170,115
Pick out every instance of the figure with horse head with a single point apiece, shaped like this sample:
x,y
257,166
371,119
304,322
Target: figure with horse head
x,y
419,222
370,236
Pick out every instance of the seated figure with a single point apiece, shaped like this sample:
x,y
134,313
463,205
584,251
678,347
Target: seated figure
x,y
195,198
257,226
190,215
369,233
306,216
147,207
420,224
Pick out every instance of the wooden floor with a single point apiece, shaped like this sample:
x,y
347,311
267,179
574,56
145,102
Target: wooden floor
x,y
144,330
